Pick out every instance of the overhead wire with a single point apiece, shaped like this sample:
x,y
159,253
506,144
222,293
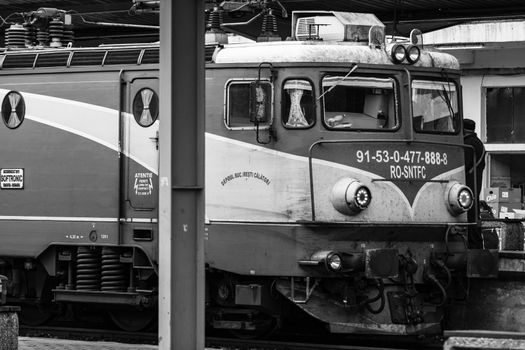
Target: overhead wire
x,y
5,20
110,24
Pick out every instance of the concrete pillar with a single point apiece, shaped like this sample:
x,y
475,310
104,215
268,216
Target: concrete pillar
x,y
9,328
181,198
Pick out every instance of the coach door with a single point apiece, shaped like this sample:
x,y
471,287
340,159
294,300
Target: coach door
x,y
140,140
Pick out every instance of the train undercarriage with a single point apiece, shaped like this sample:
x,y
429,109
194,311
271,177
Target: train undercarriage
x,y
122,282
117,280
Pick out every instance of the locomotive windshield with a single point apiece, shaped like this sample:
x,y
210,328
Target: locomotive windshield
x,y
359,102
434,106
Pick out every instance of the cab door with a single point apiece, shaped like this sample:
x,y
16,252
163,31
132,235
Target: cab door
x,y
140,142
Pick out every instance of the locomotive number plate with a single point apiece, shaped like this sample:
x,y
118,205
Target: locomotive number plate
x,y
12,179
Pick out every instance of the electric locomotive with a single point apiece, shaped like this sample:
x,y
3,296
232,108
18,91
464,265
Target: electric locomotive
x,y
335,180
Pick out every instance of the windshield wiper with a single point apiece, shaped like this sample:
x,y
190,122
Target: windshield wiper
x,y
338,82
447,101
446,94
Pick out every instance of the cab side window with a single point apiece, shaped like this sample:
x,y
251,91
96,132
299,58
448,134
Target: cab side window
x,y
298,109
435,106
246,104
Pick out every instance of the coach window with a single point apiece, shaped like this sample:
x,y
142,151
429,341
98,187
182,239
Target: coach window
x,y
13,109
359,103
435,106
298,104
242,108
146,107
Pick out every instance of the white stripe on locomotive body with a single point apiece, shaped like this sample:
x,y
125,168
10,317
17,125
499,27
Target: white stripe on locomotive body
x,y
139,144
96,123
56,218
74,219
247,182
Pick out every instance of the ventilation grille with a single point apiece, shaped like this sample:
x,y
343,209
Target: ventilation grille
x,y
306,28
208,52
80,58
58,59
19,61
88,58
151,56
122,57
142,234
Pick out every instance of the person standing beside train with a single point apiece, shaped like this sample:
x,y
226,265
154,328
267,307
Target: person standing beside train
x,y
474,161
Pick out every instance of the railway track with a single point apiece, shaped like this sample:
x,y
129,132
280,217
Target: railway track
x,y
240,344
289,342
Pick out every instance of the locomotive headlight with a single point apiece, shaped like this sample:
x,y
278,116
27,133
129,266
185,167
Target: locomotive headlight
x,y
349,196
459,198
465,199
413,54
398,53
334,262
330,260
362,197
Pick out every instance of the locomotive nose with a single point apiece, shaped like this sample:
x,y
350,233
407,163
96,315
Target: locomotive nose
x,y
349,196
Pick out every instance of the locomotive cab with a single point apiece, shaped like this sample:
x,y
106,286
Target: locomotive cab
x,y
349,197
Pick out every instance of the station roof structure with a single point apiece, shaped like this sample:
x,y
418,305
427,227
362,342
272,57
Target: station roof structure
x,y
399,16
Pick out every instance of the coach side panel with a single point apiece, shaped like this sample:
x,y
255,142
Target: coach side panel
x,y
65,153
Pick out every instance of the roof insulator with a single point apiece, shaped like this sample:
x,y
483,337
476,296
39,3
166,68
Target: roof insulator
x,y
269,28
15,36
56,32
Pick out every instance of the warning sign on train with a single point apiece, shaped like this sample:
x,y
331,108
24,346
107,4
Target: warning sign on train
x,y
143,185
12,179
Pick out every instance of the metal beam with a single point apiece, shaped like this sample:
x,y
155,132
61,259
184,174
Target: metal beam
x,y
181,202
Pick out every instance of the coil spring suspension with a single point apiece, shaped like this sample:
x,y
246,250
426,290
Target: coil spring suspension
x,y
56,32
113,271
15,36
88,269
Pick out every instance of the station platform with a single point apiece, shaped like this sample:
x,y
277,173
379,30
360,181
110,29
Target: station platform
x,y
30,343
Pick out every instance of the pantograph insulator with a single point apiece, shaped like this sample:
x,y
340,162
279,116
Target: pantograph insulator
x,y
42,36
215,20
30,35
68,36
269,24
15,36
56,32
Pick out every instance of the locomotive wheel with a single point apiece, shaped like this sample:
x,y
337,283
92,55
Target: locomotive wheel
x,y
132,319
36,314
39,312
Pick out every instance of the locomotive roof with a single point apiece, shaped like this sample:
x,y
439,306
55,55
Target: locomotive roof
x,y
275,52
322,52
